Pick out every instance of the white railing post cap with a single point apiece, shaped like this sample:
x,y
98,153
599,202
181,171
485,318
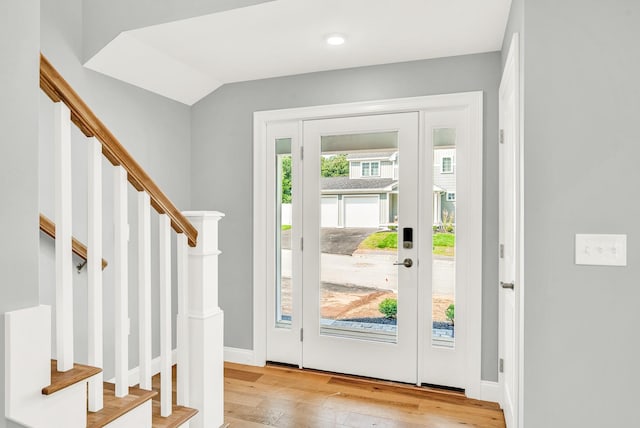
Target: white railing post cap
x,y
204,214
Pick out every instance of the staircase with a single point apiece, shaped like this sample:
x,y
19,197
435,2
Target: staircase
x,y
180,387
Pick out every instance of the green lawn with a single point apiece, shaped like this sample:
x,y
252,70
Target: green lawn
x,y
286,226
443,243
380,240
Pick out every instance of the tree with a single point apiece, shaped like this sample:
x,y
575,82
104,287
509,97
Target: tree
x,y
286,179
334,166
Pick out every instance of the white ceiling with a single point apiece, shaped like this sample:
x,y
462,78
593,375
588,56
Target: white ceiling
x,y
188,59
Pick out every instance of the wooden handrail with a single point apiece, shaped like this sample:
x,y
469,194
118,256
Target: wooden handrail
x,y
78,248
58,90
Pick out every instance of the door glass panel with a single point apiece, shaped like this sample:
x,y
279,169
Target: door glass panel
x,y
358,236
284,225
444,237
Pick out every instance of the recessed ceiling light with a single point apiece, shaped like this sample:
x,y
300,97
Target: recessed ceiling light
x,y
335,39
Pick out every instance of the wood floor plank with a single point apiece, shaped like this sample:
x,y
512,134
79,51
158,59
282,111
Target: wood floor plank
x,y
241,374
288,397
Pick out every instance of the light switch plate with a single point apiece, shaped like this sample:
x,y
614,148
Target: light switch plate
x,y
601,250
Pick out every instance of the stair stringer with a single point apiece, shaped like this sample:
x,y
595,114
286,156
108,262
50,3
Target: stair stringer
x,y
28,370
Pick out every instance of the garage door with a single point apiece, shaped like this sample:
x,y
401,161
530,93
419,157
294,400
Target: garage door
x,y
329,211
362,211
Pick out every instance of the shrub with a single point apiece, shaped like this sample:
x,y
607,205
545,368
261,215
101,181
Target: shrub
x,y
450,313
389,308
447,224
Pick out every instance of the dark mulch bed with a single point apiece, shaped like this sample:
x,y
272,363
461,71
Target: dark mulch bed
x,y
379,320
393,321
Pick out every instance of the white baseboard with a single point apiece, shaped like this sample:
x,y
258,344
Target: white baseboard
x,y
490,391
239,356
134,373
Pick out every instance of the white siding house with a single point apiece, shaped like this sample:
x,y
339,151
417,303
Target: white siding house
x,y
366,197
444,182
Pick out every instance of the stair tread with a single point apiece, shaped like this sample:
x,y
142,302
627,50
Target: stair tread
x,y
61,380
179,415
115,407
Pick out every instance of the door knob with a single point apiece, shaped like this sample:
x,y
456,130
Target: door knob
x,y
507,285
406,263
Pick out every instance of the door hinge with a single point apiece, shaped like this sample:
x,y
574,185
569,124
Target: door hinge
x,y
502,136
301,244
302,153
502,251
501,365
301,334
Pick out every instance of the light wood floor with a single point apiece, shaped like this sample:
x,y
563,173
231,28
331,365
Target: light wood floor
x,y
285,397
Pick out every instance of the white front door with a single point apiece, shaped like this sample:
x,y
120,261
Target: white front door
x,y
335,298
509,241
335,279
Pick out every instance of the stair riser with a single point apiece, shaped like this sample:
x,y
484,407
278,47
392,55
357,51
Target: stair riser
x,y
140,417
28,369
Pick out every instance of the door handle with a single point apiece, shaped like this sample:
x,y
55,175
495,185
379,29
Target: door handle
x,y
406,263
507,285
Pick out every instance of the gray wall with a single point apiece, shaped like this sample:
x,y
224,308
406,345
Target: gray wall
x,y
581,150
221,175
104,20
155,130
19,57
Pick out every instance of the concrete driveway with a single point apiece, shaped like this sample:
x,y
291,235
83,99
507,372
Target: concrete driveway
x,y
341,264
375,271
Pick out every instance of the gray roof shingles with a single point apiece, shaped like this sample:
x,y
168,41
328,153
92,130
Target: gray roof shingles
x,y
346,183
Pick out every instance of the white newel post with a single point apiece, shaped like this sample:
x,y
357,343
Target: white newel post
x,y
206,327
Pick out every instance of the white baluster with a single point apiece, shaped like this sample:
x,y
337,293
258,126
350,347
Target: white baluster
x,y
94,273
144,288
64,266
120,267
166,391
183,319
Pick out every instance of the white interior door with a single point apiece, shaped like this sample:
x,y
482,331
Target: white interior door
x,y
335,339
509,242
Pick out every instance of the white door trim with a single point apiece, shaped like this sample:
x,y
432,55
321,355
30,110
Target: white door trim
x,y
472,101
512,76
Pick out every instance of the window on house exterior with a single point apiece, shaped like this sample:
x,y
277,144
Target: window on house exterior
x,y
370,169
375,169
451,196
447,165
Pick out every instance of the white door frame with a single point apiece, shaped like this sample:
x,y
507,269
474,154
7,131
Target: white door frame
x,y
512,76
472,103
